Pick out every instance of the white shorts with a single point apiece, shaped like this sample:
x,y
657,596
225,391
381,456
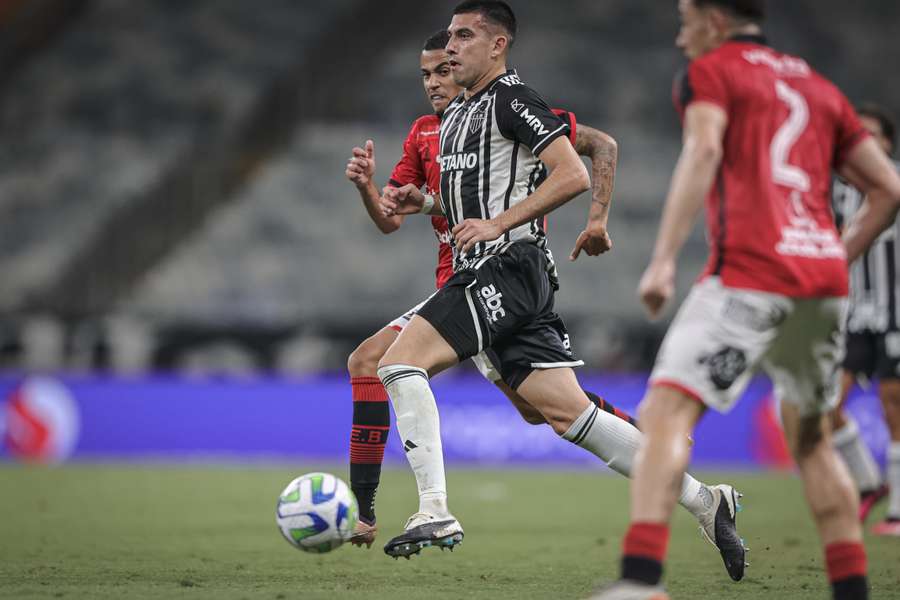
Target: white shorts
x,y
722,336
482,361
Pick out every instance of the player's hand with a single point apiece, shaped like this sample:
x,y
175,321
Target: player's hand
x,y
406,200
594,240
361,166
657,286
471,231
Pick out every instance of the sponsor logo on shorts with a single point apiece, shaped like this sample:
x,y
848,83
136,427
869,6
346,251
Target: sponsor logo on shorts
x,y
725,366
743,313
491,300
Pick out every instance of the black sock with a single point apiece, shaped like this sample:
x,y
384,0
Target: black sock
x,y
644,570
371,424
852,588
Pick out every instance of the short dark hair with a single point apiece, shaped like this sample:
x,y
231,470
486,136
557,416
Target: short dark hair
x,y
884,118
751,10
437,41
494,11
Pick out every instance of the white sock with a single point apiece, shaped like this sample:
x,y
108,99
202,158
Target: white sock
x,y
616,442
893,477
420,430
856,454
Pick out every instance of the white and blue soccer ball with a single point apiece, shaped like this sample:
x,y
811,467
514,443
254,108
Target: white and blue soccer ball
x,y
317,512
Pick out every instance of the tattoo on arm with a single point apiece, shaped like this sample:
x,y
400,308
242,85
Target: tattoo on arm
x,y
603,152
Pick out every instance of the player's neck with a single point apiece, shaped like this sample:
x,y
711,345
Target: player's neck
x,y
486,79
741,30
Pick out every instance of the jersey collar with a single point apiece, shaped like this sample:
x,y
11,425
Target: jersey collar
x,y
490,85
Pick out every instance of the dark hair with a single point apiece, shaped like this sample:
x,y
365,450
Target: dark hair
x,y
494,11
752,10
437,41
884,118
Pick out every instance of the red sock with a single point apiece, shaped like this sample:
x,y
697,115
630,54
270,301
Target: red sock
x,y
846,566
644,550
371,424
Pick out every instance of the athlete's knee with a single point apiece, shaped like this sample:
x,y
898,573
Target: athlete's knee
x,y
532,417
809,437
559,423
837,419
364,360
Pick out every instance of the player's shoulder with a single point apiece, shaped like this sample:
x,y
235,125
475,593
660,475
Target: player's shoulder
x,y
511,86
426,123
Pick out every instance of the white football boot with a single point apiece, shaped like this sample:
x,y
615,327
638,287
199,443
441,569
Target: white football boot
x,y
423,530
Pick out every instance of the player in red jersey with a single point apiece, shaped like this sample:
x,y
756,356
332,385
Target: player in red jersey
x,y
418,166
762,133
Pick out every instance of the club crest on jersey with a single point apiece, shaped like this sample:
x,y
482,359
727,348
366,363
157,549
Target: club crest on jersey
x,y
476,122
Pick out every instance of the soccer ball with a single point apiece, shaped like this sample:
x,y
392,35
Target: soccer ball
x,y
316,512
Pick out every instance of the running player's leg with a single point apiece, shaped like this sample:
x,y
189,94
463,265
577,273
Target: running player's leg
x,y
371,424
802,364
707,358
535,361
889,390
859,362
484,362
419,352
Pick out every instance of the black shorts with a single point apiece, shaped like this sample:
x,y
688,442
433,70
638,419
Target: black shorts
x,y
504,304
873,354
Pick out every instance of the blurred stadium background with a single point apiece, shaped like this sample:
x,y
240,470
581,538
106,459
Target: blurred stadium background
x,y
184,269
173,202
176,228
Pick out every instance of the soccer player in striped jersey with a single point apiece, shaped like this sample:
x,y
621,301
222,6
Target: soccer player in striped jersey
x,y
762,134
418,166
498,140
873,341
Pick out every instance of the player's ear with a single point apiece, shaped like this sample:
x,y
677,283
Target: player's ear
x,y
719,21
501,44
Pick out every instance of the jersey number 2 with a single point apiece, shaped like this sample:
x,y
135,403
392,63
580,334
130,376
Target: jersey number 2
x,y
787,135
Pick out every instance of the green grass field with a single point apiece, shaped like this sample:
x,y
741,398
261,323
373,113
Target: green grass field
x,y
152,532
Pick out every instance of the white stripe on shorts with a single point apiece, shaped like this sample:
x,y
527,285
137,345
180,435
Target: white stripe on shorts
x,y
474,315
556,365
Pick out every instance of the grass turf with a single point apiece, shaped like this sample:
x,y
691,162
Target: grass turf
x,y
95,531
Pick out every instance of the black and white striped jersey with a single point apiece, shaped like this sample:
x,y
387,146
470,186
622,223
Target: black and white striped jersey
x,y
873,276
489,161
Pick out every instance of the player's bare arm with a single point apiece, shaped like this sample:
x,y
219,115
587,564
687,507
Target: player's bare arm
x,y
603,151
568,178
868,169
361,171
409,200
704,129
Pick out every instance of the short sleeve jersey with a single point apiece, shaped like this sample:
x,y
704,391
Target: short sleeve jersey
x,y
490,143
768,214
419,165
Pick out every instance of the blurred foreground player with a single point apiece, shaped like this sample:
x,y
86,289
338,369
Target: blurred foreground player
x,y
495,191
873,342
762,133
419,166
